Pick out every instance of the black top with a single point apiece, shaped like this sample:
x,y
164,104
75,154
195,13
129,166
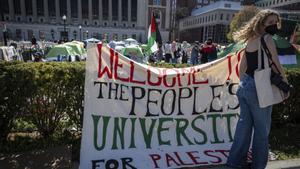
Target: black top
x,y
252,62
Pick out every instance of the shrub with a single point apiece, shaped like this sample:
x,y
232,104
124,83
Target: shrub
x,y
12,97
288,111
43,93
47,93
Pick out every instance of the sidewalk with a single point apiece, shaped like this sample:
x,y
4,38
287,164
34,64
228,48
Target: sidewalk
x,y
284,164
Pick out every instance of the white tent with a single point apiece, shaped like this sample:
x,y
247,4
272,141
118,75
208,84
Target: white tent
x,y
131,41
92,40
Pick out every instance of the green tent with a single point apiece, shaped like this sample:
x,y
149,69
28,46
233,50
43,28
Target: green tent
x,y
76,47
62,50
134,52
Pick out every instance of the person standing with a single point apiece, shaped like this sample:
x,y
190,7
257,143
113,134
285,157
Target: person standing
x,y
184,49
208,51
195,54
168,52
252,117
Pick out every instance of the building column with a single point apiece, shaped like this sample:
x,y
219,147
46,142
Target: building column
x,y
120,12
100,12
69,19
168,15
90,12
11,10
34,11
109,11
23,10
46,10
142,16
79,12
57,11
129,11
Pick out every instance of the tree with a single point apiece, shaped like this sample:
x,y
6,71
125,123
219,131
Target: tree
x,y
182,12
240,19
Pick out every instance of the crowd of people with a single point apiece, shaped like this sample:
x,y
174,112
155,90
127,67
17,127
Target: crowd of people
x,y
169,52
197,53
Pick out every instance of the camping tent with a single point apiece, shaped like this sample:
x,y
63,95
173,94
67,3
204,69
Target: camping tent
x,y
62,50
92,40
78,48
131,41
134,52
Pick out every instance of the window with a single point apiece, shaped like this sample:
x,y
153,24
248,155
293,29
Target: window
x,y
221,16
40,8
227,5
5,4
19,34
124,10
134,10
17,7
115,10
105,9
115,36
51,8
28,7
95,7
99,36
63,7
156,2
227,17
74,9
133,36
85,9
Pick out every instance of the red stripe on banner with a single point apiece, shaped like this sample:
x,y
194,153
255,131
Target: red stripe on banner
x,y
99,47
229,66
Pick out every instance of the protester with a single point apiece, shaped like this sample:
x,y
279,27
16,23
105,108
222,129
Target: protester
x,y
208,51
195,54
168,52
184,50
252,116
174,51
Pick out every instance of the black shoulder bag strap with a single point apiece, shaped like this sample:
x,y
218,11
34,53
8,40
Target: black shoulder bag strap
x,y
267,51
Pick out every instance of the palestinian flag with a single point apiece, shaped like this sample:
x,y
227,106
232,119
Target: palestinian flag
x,y
286,52
154,37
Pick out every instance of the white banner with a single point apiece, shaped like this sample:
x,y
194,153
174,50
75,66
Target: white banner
x,y
138,116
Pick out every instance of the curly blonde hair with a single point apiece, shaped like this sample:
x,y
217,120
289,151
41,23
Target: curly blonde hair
x,y
253,27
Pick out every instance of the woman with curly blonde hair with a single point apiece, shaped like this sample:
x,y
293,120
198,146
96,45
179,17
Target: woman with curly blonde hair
x,y
253,118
